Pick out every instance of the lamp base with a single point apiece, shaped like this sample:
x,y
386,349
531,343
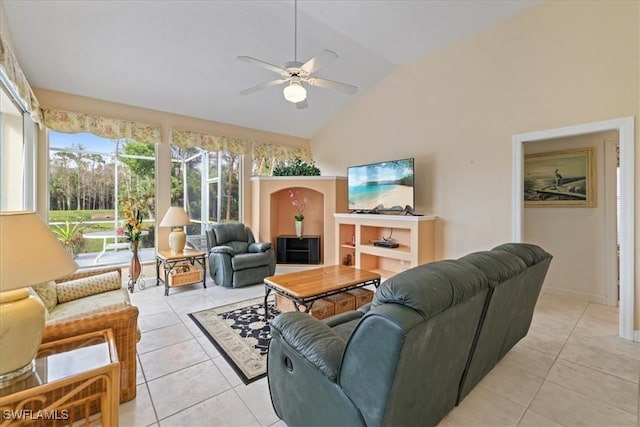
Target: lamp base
x,y
21,326
8,379
177,241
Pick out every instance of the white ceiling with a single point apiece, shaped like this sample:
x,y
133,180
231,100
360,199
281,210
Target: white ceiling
x,y
180,56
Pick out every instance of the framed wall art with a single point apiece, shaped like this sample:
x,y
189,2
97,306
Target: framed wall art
x,y
560,179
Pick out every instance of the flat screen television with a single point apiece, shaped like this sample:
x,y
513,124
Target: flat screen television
x,y
383,186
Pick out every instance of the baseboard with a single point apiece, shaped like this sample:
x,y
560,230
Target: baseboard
x,y
636,336
570,293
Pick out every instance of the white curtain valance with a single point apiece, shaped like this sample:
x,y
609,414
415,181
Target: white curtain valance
x,y
70,122
188,139
16,77
280,152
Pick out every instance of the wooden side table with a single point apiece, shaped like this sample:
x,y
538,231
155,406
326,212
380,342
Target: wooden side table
x,y
75,381
169,262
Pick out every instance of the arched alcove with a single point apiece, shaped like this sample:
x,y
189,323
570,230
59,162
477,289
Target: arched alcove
x,y
272,214
283,211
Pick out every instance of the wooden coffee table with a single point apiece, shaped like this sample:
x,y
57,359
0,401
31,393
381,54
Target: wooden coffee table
x,y
305,287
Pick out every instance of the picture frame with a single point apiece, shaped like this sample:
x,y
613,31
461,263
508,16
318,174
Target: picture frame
x,y
560,178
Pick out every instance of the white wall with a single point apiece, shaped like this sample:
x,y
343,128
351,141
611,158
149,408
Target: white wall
x,y
456,110
577,236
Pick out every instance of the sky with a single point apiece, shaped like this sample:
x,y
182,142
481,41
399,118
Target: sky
x,y
89,141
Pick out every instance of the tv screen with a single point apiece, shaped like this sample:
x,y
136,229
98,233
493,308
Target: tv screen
x,y
381,186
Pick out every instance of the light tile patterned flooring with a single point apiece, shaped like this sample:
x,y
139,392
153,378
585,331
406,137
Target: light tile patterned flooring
x,y
570,370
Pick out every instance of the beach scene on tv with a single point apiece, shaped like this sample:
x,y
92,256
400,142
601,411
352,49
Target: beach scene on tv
x,y
381,186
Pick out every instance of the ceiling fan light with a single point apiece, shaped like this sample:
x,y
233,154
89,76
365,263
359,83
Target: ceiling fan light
x,y
295,93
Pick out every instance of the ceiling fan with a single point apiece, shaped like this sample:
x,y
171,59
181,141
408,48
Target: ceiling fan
x,y
296,73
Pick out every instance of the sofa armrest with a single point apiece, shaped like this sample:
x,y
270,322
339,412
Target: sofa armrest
x,y
88,273
311,339
341,318
223,250
259,247
365,308
124,324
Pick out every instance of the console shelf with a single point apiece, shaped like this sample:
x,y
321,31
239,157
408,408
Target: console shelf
x,y
355,234
298,250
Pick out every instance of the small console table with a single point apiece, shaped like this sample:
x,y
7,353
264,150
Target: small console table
x,y
169,261
73,378
298,250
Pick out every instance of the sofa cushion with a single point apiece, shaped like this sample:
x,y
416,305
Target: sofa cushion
x,y
249,260
47,293
238,247
229,232
432,288
91,304
498,266
530,254
86,286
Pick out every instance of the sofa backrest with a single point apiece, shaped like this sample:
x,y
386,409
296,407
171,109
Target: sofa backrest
x,y
537,261
515,273
414,343
233,234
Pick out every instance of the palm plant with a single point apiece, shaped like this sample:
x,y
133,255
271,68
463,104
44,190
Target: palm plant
x,y
70,237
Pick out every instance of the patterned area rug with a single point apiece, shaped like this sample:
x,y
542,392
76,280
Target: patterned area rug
x,y
240,334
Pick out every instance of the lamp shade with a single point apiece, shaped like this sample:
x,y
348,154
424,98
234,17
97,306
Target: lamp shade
x,y
175,217
29,252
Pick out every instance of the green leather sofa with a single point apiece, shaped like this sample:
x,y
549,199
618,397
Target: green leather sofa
x,y
235,258
429,336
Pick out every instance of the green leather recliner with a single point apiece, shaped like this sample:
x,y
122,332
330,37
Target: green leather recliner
x,y
235,258
430,334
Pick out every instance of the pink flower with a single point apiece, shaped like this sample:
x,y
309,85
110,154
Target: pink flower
x,y
299,205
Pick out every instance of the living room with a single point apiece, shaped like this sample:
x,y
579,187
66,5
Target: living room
x,y
454,110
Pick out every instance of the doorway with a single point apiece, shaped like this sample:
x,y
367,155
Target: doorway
x,y
625,128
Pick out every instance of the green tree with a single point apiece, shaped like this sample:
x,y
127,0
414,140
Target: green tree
x,y
140,167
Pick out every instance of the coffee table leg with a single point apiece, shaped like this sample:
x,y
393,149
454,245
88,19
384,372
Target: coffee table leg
x,y
267,290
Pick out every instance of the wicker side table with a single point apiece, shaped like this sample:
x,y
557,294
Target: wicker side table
x,y
75,381
168,262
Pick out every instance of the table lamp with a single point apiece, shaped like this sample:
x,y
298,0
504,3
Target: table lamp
x,y
178,218
29,254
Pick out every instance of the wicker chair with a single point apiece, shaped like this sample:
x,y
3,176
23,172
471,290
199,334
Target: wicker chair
x,y
122,321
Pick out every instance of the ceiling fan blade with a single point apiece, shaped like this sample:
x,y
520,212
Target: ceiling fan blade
x,y
259,63
330,84
263,85
325,57
302,104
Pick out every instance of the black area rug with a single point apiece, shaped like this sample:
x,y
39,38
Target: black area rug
x,y
240,334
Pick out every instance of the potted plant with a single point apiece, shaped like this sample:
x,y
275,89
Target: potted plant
x,y
70,237
297,167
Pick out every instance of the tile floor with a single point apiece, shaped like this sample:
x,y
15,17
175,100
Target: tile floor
x,y
570,370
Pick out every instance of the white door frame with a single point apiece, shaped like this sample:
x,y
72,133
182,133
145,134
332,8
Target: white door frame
x,y
625,128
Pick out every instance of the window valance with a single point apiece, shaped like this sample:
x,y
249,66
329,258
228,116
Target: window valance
x,y
16,77
280,152
188,139
71,122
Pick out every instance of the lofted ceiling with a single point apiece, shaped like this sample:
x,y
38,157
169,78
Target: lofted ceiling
x,y
180,56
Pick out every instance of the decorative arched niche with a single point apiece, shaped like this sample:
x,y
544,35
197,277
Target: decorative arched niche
x,y
283,211
272,213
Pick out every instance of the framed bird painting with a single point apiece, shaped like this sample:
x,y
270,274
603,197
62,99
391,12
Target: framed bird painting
x,y
560,179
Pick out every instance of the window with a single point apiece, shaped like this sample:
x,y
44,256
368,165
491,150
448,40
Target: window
x,y
267,157
207,185
17,155
90,178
